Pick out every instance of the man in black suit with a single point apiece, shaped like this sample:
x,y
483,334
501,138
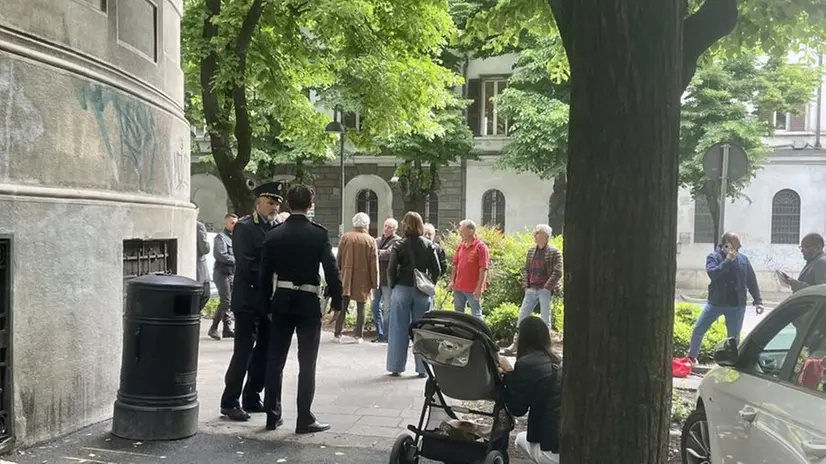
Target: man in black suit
x,y
289,279
249,356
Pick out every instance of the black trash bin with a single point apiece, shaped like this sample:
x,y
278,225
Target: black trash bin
x,y
158,398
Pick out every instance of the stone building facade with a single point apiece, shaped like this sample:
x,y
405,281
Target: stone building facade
x,y
94,190
784,201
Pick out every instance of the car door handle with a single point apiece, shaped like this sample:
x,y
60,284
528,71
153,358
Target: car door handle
x,y
814,449
747,414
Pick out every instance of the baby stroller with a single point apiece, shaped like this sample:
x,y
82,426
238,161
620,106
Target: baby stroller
x,y
460,358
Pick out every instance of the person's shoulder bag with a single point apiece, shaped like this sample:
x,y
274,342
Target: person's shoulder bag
x,y
423,282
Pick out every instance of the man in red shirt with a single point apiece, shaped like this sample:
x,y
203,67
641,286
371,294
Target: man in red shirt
x,y
470,270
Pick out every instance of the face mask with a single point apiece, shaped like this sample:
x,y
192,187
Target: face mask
x,y
808,255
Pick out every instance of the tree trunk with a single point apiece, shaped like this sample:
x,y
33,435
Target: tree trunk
x,y
620,238
556,210
415,201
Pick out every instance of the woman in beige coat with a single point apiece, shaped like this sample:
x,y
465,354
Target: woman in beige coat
x,y
358,263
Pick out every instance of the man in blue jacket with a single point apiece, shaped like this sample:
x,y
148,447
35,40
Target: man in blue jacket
x,y
731,276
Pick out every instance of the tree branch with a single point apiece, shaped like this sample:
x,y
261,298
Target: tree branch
x,y
218,129
714,20
564,16
243,127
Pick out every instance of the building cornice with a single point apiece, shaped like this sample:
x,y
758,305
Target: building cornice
x,y
58,56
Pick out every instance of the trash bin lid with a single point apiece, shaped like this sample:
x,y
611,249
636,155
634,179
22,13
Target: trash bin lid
x,y
166,282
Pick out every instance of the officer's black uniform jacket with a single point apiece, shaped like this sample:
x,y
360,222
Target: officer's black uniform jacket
x,y
293,251
247,241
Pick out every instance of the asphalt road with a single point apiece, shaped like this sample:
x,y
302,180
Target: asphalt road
x,y
95,445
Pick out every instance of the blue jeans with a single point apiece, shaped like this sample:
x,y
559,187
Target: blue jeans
x,y
463,299
734,324
380,307
532,297
407,305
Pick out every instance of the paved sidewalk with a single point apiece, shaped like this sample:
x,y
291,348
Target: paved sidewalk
x,y
354,394
366,408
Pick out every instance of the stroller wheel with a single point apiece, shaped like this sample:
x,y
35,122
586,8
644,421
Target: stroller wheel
x,y
496,457
404,451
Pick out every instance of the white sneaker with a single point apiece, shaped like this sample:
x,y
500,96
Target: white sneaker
x,y
359,341
337,339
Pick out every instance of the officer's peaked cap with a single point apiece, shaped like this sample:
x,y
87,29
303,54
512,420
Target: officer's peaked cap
x,y
273,190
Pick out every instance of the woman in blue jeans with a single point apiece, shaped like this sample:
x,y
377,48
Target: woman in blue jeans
x,y
407,303
731,275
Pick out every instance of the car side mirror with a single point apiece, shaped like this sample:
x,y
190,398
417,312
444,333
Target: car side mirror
x,y
725,354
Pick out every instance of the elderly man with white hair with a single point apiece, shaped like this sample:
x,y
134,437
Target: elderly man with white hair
x,y
381,295
541,279
358,263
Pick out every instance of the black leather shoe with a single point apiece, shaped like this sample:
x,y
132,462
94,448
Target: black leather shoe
x,y
228,334
315,427
235,414
273,422
254,407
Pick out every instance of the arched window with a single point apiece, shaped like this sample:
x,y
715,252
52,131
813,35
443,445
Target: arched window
x,y
493,209
703,223
786,217
368,202
431,209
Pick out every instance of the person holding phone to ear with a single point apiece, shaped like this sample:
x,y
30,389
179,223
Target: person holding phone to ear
x,y
731,276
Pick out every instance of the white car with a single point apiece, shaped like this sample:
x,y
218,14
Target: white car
x,y
765,402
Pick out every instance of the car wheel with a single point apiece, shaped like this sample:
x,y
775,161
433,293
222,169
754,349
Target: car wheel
x,y
695,445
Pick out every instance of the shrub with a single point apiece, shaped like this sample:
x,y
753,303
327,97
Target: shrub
x,y
558,314
209,308
685,316
502,321
507,260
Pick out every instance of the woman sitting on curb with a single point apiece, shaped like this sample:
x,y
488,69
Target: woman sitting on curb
x,y
534,387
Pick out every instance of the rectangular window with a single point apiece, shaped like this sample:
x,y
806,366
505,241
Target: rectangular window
x,y
781,121
703,223
493,124
6,421
352,121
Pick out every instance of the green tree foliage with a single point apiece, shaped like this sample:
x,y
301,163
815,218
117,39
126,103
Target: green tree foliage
x,y
722,104
250,66
422,156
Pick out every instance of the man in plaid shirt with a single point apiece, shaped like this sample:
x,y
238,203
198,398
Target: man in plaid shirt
x,y
541,279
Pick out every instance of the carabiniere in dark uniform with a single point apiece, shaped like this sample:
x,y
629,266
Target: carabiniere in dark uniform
x,y
252,329
292,253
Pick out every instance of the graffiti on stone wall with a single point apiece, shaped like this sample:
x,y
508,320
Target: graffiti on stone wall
x,y
132,138
20,121
771,257
180,168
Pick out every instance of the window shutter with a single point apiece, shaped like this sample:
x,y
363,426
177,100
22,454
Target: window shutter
x,y
500,210
487,207
474,93
798,121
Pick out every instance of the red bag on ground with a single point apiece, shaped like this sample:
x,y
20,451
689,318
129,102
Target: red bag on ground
x,y
681,367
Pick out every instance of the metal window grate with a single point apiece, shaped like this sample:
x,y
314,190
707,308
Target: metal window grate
x,y
493,209
368,202
786,217
141,257
6,423
431,209
703,223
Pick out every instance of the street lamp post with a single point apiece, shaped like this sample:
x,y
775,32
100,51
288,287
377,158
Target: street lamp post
x,y
336,127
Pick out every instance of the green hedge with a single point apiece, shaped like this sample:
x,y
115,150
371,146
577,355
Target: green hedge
x,y
685,315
